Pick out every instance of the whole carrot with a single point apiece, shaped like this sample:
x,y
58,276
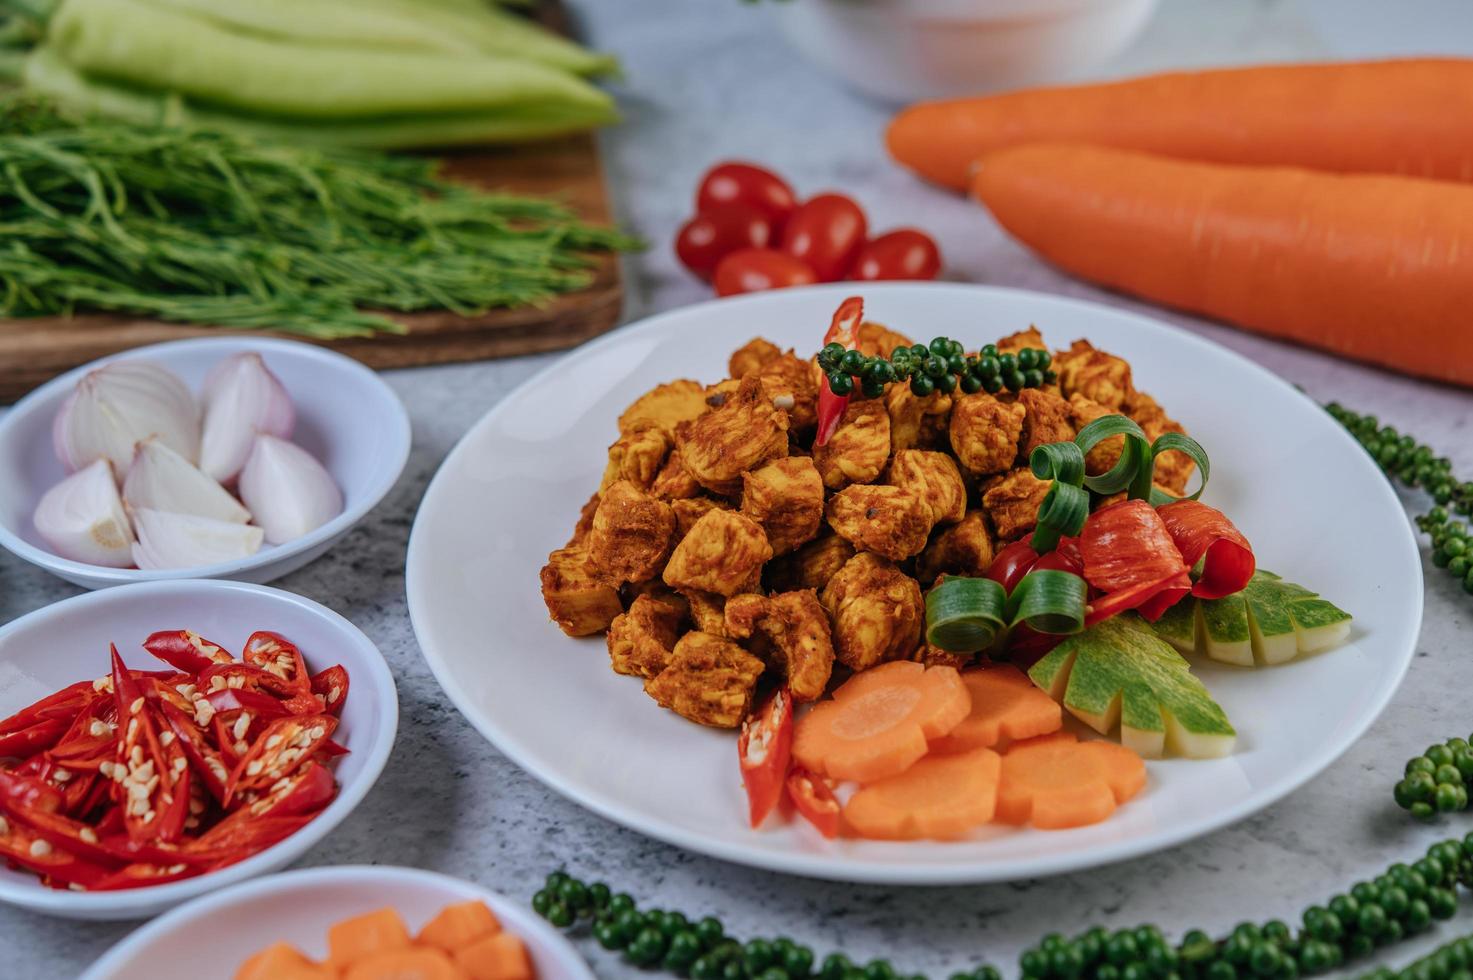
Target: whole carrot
x,y
1375,268
1403,117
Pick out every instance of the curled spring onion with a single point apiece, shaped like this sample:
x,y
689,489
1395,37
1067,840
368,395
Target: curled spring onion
x,y
1066,505
965,615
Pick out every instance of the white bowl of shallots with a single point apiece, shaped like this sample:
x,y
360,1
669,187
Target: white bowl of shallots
x,y
209,458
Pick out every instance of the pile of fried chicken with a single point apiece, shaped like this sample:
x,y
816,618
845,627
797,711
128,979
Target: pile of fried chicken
x,y
721,549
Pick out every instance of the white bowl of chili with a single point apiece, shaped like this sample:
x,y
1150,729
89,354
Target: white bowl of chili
x,y
67,642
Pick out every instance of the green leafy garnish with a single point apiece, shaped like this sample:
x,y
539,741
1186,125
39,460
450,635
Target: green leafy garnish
x,y
965,615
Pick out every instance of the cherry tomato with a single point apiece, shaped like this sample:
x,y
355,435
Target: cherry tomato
x,y
1011,564
710,236
902,254
734,182
751,270
827,232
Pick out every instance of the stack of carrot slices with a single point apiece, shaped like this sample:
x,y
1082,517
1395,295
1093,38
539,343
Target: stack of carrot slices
x,y
937,753
464,941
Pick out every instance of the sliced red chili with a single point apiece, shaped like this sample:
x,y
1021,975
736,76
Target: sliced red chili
x,y
283,747
232,840
186,650
764,748
242,677
27,794
332,687
332,750
141,875
25,847
64,704
205,759
150,774
91,739
308,790
73,836
1205,534
279,657
37,738
843,329
815,801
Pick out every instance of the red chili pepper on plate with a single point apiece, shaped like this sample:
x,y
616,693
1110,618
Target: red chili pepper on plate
x,y
154,788
1130,557
205,759
22,793
37,738
1205,534
332,687
186,650
815,801
843,329
283,747
22,845
279,657
63,705
763,750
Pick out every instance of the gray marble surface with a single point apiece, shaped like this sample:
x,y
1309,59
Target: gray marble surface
x,y
708,79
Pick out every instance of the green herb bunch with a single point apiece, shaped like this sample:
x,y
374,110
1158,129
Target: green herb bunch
x,y
940,366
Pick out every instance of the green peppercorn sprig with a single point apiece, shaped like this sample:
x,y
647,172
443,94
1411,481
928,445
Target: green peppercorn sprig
x,y
700,950
1437,780
940,366
1450,961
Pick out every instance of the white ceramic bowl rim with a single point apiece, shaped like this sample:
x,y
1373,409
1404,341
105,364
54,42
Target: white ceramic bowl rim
x,y
370,497
375,756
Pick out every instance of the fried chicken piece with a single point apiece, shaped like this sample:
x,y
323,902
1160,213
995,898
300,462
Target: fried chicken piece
x,y
665,407
797,629
985,433
934,478
1098,376
745,432
788,376
636,456
577,599
886,520
709,680
811,566
965,548
1046,419
1105,454
857,451
631,534
1012,502
691,509
934,656
707,611
914,420
786,498
585,522
723,553
752,356
1021,340
872,339
877,612
641,639
673,482
1173,468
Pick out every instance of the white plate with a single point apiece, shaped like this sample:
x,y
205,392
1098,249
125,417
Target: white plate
x,y
346,417
1316,508
68,641
212,936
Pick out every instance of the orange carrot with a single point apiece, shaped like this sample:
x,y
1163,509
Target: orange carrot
x,y
942,796
499,957
1005,705
459,925
1398,117
417,963
374,932
282,961
879,721
1055,781
1379,269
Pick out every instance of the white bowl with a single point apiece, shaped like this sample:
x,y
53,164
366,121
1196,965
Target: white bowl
x,y
212,936
907,50
68,641
346,417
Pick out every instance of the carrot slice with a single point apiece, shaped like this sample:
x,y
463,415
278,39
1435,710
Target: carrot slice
x,y
942,796
413,963
1005,705
1056,781
458,925
364,935
499,957
282,961
879,721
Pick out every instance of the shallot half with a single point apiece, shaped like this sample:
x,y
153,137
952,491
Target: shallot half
x,y
119,405
242,399
82,518
288,490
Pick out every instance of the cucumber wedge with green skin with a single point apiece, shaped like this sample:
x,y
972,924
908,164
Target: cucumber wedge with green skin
x,y
1180,626
1225,630
1270,622
1119,672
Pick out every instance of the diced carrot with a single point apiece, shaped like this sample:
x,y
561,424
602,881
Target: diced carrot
x,y
1005,705
375,932
459,925
499,957
415,963
1056,781
879,721
942,796
282,961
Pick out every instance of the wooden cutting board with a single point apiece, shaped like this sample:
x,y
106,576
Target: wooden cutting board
x,y
33,350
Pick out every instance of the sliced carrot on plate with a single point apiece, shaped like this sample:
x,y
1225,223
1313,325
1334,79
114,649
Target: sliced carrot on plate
x,y
459,925
1005,705
410,963
1057,781
942,796
879,721
282,961
352,939
499,957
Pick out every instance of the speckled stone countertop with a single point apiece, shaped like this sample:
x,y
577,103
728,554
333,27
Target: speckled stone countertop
x,y
709,79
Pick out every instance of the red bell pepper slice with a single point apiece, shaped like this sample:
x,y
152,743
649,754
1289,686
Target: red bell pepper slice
x,y
279,657
283,747
843,329
1204,534
1126,549
154,790
64,705
332,687
763,750
186,650
205,759
815,801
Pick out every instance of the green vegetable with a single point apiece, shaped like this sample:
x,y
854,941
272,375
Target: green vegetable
x,y
1270,622
1118,672
965,615
209,228
942,366
1437,780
